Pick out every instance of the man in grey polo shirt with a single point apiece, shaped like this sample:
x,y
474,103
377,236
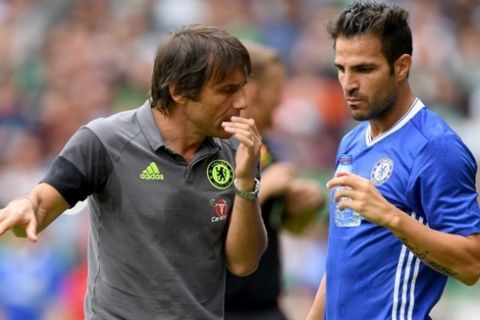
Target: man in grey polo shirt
x,y
171,202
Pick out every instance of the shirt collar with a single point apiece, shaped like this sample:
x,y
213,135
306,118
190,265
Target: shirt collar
x,y
416,106
152,134
149,127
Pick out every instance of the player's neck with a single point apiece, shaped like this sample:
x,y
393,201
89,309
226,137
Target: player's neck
x,y
396,112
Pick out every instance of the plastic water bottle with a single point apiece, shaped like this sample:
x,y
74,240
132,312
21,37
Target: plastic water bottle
x,y
346,217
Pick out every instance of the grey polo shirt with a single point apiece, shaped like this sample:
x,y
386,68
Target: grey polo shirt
x,y
157,223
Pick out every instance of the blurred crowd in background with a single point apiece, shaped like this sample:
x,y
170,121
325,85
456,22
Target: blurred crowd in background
x,y
65,62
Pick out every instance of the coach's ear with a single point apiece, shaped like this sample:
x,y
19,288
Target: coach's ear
x,y
177,95
402,67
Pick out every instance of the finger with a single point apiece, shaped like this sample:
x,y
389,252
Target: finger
x,y
31,231
7,224
237,122
342,193
346,203
238,129
334,182
253,127
3,228
3,217
345,180
245,139
243,129
247,123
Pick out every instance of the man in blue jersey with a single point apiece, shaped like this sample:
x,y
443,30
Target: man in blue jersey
x,y
413,183
173,201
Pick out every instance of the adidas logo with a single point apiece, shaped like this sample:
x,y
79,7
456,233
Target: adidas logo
x,y
151,172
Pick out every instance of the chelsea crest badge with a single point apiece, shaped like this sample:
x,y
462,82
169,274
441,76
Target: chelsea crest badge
x,y
381,172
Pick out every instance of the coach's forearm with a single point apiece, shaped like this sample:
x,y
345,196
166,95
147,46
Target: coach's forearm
x,y
246,237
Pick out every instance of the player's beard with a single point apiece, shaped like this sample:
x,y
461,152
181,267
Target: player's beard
x,y
380,104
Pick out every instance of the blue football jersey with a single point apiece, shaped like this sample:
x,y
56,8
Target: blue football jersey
x,y
422,167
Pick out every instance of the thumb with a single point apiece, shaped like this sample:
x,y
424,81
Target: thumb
x,y
32,231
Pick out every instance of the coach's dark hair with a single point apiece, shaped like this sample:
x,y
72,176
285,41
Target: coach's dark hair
x,y
191,57
387,22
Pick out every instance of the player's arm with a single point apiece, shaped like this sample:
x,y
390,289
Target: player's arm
x,y
317,312
29,215
453,255
246,235
442,185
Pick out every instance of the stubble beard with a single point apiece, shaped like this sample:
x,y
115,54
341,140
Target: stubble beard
x,y
379,107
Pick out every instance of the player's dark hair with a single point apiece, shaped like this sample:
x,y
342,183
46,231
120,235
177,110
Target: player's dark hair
x,y
192,57
387,22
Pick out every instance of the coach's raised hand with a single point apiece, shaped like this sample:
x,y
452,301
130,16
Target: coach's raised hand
x,y
249,149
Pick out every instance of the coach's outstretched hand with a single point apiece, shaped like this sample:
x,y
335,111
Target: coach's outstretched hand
x,y
28,215
19,216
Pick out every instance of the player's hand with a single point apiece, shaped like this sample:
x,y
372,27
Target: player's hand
x,y
276,179
19,216
364,198
248,150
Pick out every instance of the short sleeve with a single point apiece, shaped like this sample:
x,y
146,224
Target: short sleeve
x,y
82,167
443,185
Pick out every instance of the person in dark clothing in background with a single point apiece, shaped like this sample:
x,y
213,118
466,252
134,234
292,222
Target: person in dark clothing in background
x,y
283,196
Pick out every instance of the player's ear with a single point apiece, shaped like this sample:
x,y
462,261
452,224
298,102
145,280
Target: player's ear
x,y
402,67
176,94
